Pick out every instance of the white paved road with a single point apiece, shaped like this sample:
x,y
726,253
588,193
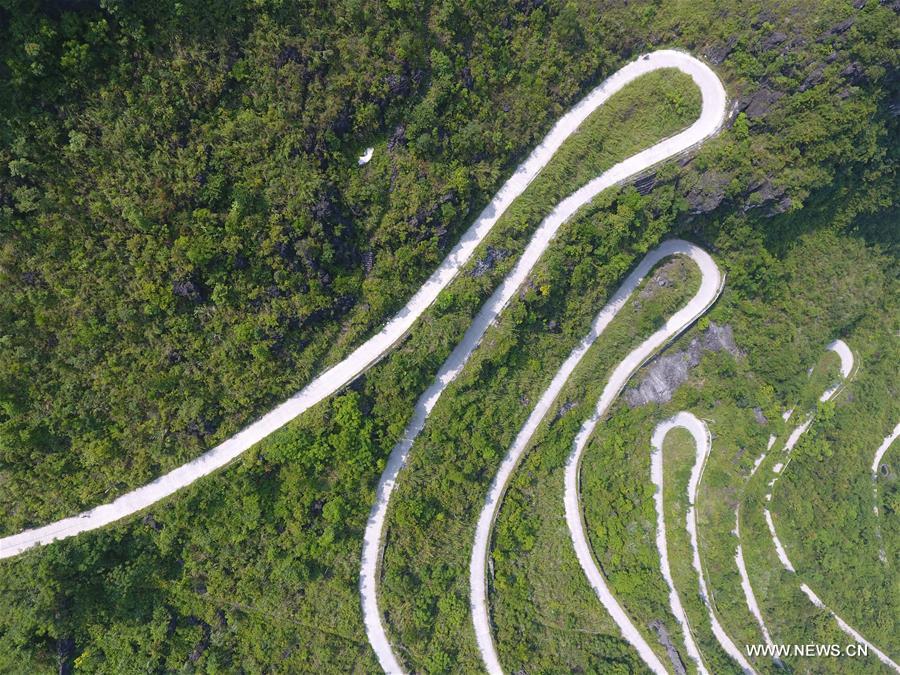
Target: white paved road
x,y
847,364
710,121
373,349
710,286
696,428
480,550
703,444
883,448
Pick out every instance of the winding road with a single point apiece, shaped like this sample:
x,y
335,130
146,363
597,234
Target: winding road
x,y
710,121
691,424
847,368
712,116
710,286
703,445
373,349
330,381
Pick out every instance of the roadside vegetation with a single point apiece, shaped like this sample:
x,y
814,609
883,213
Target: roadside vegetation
x,y
545,612
185,238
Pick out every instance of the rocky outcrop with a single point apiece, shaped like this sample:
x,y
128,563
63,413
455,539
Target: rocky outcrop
x,y
720,52
670,371
486,263
773,40
666,641
708,192
761,102
766,194
645,184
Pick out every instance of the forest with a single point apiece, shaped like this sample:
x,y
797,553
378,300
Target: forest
x,y
186,238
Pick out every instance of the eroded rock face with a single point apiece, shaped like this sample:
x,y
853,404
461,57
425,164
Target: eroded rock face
x,y
760,102
666,641
720,52
708,193
486,264
670,371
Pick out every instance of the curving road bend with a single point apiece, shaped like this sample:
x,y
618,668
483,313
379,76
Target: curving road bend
x,y
710,287
840,348
876,463
847,366
703,444
884,447
848,629
749,595
710,121
692,425
372,350
709,290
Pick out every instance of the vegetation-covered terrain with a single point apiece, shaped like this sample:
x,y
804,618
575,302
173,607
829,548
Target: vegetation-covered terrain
x,y
543,605
186,238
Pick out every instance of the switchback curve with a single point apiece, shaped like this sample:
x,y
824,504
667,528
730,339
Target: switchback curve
x,y
710,287
372,350
710,121
703,446
847,369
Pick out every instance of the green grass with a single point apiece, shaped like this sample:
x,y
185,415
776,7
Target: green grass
x,y
823,502
436,502
724,390
678,458
547,617
278,534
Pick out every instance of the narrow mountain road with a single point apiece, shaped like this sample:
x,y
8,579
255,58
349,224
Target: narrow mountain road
x,y
372,350
710,287
847,369
703,445
710,121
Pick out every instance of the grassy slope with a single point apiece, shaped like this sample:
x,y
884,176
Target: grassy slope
x,y
823,503
725,390
278,535
437,501
582,158
678,457
257,556
545,613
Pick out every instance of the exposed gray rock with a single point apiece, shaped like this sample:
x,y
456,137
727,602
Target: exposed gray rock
x,y
838,29
185,288
663,636
486,263
564,408
397,139
670,371
773,40
766,194
854,73
760,418
368,261
720,52
816,76
760,102
708,193
645,184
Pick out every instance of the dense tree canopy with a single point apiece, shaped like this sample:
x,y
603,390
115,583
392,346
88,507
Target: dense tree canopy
x,y
186,238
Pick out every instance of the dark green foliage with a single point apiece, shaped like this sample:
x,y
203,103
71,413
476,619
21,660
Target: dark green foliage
x,y
185,238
